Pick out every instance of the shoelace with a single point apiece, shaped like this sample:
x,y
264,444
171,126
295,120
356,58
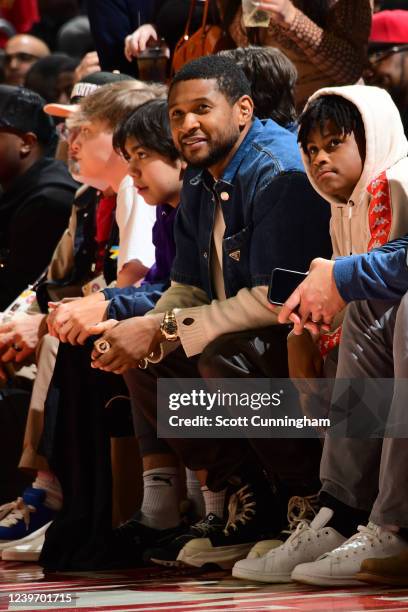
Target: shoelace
x,y
14,511
240,508
300,509
366,537
205,527
295,539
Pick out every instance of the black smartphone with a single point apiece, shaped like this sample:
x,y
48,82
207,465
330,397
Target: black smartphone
x,y
282,285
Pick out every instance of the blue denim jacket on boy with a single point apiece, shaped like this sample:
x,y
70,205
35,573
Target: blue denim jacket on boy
x,y
273,217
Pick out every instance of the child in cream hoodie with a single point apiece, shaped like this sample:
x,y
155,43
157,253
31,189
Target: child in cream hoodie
x,y
355,154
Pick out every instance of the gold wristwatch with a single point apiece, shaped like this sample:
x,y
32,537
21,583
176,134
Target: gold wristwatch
x,y
168,327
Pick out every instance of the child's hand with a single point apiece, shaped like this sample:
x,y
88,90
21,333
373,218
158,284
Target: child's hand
x,y
71,321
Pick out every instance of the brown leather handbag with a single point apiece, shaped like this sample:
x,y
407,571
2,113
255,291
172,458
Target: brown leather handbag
x,y
207,40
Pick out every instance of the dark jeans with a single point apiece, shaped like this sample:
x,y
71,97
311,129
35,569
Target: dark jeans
x,y
253,354
84,409
80,417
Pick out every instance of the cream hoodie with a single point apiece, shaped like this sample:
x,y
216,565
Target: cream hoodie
x,y
377,210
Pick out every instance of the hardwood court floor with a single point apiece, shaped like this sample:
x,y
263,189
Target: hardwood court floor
x,y
187,590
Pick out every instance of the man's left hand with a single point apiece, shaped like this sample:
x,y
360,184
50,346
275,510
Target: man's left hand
x,y
314,304
130,342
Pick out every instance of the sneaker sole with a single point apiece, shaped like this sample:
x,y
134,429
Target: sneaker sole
x,y
258,577
10,555
223,556
33,536
380,579
166,563
325,580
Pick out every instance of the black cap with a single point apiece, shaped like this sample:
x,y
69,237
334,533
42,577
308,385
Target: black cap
x,y
21,110
85,87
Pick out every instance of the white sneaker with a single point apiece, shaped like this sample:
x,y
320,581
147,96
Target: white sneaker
x,y
261,548
299,508
339,567
26,549
308,542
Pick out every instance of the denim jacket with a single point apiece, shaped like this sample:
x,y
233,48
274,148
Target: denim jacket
x,y
273,217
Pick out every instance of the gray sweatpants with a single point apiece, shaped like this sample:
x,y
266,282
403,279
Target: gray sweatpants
x,y
372,474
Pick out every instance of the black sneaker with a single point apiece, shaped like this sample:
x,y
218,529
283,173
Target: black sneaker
x,y
249,520
254,514
166,552
130,540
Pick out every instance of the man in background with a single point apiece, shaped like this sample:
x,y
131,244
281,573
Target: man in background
x,y
388,53
21,52
37,191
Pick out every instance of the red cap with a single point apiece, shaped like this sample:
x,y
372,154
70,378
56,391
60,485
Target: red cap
x,y
389,27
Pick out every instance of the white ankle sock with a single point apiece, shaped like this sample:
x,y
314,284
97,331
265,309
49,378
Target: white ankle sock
x,y
214,502
194,493
160,506
50,484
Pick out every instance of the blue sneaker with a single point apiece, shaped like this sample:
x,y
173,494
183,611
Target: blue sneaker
x,y
26,516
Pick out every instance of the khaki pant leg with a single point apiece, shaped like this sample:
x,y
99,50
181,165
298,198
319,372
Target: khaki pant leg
x,y
46,357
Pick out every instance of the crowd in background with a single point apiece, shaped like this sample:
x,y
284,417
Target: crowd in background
x,y
65,32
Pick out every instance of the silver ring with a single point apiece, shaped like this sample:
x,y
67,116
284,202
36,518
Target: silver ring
x,y
17,348
143,363
102,346
316,322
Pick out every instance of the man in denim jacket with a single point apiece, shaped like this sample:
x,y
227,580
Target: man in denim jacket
x,y
246,209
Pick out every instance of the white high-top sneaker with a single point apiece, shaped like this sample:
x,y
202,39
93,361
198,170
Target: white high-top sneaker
x,y
339,567
307,543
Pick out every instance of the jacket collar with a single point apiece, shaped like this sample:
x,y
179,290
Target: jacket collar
x,y
232,168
